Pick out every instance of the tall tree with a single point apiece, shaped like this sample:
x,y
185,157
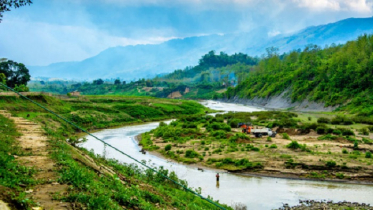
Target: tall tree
x,y
5,5
15,73
117,82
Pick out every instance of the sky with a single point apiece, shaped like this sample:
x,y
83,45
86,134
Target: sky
x,y
50,31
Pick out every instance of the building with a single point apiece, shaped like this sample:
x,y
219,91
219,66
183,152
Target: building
x,y
75,93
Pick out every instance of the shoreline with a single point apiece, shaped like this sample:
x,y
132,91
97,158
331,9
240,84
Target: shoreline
x,y
253,173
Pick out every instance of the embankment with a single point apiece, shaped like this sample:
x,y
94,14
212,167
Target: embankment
x,y
281,101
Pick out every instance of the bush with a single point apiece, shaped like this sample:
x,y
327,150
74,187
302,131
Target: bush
x,y
321,130
340,175
327,137
356,145
323,120
234,122
219,134
330,164
344,151
341,120
347,132
218,126
365,131
273,146
189,125
162,124
191,153
293,145
168,147
368,155
337,132
285,136
269,138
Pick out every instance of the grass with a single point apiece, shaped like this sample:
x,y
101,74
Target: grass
x,y
131,187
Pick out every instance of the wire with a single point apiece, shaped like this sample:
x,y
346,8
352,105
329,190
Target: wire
x,y
123,153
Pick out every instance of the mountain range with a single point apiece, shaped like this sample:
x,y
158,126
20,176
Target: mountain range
x,y
144,61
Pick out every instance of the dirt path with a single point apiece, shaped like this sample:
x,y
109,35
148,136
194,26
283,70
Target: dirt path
x,y
35,144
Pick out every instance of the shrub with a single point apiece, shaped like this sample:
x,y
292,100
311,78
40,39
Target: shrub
x,y
273,146
368,155
293,145
191,153
189,125
219,134
330,164
344,151
234,122
239,136
364,131
285,136
269,138
218,126
216,151
168,147
321,130
174,123
341,120
327,137
347,132
356,145
340,175
162,124
323,120
337,132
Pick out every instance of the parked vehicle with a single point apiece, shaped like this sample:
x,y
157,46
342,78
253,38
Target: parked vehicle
x,y
263,132
258,132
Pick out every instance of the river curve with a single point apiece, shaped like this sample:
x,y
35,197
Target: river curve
x,y
255,192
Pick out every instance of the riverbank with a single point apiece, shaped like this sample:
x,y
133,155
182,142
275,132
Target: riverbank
x,y
281,102
295,153
46,171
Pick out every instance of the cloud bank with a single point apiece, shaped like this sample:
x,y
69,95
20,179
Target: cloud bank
x,y
72,30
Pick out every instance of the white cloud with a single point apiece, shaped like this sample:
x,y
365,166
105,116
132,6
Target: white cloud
x,y
336,5
36,43
360,5
319,4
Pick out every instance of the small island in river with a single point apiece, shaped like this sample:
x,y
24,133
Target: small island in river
x,y
306,146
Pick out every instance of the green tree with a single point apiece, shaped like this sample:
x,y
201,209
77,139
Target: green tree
x,y
21,88
16,73
3,80
117,82
98,82
5,5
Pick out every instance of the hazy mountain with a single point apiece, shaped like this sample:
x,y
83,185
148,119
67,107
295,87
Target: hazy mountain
x,y
148,60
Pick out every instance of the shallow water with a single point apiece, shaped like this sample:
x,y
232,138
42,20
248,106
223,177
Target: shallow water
x,y
255,192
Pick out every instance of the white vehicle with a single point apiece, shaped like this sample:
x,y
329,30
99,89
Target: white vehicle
x,y
263,132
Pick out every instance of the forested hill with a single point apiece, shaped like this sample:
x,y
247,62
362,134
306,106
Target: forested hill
x,y
212,61
335,75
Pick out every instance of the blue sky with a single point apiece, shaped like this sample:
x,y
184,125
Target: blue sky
x,y
51,31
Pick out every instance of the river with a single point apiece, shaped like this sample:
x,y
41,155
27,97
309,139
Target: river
x,y
255,192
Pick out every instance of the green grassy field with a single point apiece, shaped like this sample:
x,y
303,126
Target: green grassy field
x,y
143,189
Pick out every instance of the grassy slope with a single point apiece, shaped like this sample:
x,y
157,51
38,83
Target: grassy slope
x,y
89,189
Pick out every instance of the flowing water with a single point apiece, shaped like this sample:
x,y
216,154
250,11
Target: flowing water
x,y
255,192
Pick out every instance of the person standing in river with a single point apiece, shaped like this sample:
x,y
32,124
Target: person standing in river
x,y
217,177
